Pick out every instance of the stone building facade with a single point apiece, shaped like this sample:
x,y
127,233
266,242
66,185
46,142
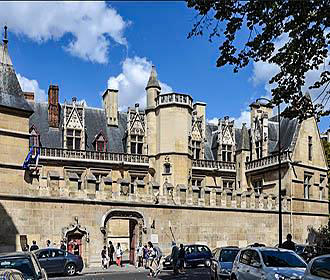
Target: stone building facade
x,y
159,173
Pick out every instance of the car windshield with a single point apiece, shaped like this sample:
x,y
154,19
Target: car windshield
x,y
228,255
321,267
24,265
281,259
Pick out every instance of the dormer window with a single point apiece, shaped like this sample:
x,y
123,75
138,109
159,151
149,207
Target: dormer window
x,y
100,142
34,137
196,149
137,144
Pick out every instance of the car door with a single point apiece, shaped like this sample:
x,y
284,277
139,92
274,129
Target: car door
x,y
243,265
43,258
57,260
201,254
254,271
190,254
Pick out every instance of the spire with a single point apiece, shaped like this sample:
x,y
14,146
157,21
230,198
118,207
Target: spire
x,y
153,81
4,55
245,139
5,39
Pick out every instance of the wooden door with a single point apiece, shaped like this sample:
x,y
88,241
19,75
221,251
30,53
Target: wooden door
x,y
132,236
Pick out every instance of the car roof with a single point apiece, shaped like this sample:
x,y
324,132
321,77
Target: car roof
x,y
268,249
15,254
227,248
322,256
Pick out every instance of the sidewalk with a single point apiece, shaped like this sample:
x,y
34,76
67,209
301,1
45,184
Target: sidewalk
x,y
113,268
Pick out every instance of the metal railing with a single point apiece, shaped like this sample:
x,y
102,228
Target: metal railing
x,y
212,164
58,153
267,161
176,98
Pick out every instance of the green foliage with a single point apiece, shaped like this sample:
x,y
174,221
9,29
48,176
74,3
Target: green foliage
x,y
323,237
303,24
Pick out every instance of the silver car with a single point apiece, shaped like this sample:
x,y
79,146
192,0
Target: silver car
x,y
318,268
267,264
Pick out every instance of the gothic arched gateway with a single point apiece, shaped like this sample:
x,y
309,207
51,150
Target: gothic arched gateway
x,y
136,227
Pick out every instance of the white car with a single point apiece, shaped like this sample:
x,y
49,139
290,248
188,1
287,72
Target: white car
x,y
262,263
318,268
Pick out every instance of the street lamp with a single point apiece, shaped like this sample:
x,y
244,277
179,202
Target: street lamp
x,y
279,172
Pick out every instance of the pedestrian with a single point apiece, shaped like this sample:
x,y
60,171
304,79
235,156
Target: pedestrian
x,y
159,255
34,246
181,258
174,257
119,255
145,256
139,253
289,244
111,251
76,249
26,247
104,257
48,243
152,259
63,247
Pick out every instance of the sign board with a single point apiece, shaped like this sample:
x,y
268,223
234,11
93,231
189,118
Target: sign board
x,y
154,238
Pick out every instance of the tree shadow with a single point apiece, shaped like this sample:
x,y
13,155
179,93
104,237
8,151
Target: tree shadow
x,y
8,232
190,274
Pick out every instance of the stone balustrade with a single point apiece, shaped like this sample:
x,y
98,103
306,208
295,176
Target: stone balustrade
x,y
215,165
57,153
267,161
174,98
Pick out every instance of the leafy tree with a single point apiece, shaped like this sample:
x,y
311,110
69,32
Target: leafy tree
x,y
306,25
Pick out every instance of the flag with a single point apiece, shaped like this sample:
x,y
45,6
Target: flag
x,y
28,159
36,159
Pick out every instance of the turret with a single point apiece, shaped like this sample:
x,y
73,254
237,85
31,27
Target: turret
x,y
153,89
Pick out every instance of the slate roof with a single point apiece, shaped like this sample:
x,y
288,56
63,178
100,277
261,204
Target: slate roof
x,y
153,81
11,94
95,121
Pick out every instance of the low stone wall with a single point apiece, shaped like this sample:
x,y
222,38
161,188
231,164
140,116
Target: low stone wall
x,y
234,222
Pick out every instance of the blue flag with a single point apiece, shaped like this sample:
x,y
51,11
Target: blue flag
x,y
28,159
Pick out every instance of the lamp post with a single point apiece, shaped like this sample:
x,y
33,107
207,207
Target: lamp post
x,y
279,172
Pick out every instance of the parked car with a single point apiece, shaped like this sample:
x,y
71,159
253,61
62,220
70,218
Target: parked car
x,y
318,268
267,263
222,262
195,254
25,262
57,261
11,274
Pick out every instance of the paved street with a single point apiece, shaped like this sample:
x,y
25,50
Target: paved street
x,y
191,274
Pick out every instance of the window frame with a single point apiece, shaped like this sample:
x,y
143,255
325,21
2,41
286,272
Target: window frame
x,y
138,142
307,185
74,137
310,148
196,148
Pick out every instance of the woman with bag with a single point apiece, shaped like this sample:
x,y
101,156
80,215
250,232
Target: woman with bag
x,y
119,255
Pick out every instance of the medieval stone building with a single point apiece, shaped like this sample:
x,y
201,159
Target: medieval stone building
x,y
158,173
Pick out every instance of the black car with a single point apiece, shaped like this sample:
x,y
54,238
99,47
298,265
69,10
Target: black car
x,y
25,262
222,262
11,274
195,254
57,261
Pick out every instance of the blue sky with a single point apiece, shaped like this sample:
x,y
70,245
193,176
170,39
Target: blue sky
x,y
86,47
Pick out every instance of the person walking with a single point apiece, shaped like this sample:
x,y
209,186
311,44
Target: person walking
x,y
139,253
152,259
289,244
48,243
119,255
111,251
174,257
145,256
62,246
34,246
104,257
159,255
181,256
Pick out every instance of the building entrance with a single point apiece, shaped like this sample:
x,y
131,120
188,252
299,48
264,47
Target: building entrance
x,y
124,227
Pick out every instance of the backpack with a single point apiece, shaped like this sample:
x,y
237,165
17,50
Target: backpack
x,y
158,251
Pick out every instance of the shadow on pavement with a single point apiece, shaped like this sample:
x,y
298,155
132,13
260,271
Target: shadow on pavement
x,y
190,274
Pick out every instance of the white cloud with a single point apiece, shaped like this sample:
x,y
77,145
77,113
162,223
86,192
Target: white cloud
x,y
132,81
32,86
212,121
91,25
243,118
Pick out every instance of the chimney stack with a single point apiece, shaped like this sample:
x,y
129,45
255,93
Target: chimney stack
x,y
110,103
53,107
29,96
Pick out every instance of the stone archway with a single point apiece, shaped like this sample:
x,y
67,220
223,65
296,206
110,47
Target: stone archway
x,y
136,227
76,238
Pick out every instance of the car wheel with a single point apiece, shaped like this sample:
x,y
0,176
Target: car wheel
x,y
70,269
207,263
